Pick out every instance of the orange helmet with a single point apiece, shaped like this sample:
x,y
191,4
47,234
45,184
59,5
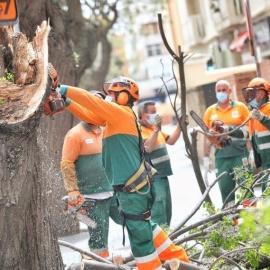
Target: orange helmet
x,y
121,83
254,85
259,84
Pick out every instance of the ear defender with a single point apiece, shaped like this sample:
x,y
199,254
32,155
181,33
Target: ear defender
x,y
122,98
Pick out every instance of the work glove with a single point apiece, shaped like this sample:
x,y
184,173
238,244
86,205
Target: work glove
x,y
207,163
256,114
75,199
54,78
157,122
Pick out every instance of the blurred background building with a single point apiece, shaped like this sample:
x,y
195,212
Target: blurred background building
x,y
214,32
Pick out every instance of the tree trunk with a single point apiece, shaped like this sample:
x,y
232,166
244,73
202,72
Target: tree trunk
x,y
51,132
27,237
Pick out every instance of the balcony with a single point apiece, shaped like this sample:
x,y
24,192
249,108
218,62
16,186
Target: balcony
x,y
193,31
228,14
259,7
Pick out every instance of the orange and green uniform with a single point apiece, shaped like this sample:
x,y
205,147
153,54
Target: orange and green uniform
x,y
82,170
121,159
161,212
235,155
259,132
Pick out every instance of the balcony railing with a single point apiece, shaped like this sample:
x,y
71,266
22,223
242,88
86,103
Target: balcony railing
x,y
193,30
227,14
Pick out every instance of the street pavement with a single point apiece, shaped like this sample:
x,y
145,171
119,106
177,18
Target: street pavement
x,y
185,197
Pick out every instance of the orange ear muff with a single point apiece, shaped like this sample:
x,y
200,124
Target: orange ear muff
x,y
122,98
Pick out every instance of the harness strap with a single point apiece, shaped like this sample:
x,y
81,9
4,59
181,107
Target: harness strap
x,y
138,180
129,188
143,216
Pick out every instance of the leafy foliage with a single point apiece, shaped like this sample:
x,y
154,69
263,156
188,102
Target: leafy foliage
x,y
9,77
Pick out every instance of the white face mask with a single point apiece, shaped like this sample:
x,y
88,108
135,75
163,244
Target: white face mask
x,y
221,97
254,103
151,119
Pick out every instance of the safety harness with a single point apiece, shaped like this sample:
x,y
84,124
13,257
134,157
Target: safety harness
x,y
143,176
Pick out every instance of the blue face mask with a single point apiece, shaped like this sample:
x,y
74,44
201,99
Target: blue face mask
x,y
151,119
221,97
254,103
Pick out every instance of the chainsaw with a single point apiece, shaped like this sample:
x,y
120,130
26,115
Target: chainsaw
x,y
80,212
54,105
220,140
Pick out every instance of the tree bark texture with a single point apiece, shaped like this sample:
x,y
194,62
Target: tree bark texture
x,y
51,132
27,237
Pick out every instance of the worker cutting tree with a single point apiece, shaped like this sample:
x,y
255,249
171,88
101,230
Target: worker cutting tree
x,y
125,166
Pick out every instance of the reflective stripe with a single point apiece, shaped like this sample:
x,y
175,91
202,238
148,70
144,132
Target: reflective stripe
x,y
237,139
146,258
263,133
160,159
245,131
164,246
156,231
160,146
161,240
159,237
150,261
166,249
264,146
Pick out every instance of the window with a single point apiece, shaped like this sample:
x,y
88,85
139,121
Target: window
x,y
153,50
149,29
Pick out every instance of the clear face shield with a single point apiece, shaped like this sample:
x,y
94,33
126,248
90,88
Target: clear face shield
x,y
117,82
249,93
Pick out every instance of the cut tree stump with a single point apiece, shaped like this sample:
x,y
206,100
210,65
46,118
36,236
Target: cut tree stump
x,y
175,264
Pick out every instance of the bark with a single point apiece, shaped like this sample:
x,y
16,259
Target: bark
x,y
28,240
101,72
51,132
84,36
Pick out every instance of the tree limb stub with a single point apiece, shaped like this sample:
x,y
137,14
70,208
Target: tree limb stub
x,y
175,264
85,252
23,98
94,265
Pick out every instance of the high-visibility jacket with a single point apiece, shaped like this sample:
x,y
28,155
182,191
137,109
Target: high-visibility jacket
x,y
233,116
81,163
159,156
259,131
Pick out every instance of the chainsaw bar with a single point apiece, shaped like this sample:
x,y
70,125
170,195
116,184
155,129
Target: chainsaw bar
x,y
199,121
